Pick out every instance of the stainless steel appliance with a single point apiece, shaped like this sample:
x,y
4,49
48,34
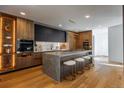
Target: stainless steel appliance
x,y
25,45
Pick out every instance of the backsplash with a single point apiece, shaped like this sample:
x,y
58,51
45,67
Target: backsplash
x,y
50,46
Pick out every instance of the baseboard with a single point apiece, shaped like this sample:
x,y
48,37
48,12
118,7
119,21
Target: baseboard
x,y
100,56
116,62
14,70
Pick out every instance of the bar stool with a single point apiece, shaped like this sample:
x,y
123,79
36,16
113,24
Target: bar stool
x,y
91,60
88,61
80,63
72,65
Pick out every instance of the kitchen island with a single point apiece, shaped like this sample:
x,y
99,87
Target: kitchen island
x,y
53,62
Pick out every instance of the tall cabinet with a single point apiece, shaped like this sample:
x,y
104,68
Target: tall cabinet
x,y
84,40
72,40
7,42
25,31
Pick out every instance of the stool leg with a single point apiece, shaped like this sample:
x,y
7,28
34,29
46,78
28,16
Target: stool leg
x,y
73,72
92,63
77,67
87,65
66,73
82,67
63,73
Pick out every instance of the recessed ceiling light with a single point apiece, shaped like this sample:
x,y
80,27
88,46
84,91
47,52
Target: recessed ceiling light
x,y
60,25
87,16
22,13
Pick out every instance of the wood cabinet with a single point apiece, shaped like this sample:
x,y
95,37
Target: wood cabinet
x,y
24,60
25,29
84,37
37,58
72,40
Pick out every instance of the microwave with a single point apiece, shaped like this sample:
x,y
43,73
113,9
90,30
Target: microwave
x,y
25,46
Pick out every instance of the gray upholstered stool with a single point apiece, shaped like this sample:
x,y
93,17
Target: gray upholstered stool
x,y
72,65
80,65
88,61
91,60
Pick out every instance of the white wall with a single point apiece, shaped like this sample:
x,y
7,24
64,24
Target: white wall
x,y
116,43
100,41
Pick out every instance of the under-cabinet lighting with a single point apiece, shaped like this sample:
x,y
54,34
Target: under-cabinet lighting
x,y
14,43
1,43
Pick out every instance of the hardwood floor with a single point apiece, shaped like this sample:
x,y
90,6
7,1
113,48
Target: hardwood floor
x,y
104,74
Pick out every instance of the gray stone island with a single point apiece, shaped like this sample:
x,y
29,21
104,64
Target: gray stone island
x,y
53,62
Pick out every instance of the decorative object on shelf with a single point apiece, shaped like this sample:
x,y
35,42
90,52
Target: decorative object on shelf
x,y
8,51
7,45
63,46
7,24
8,37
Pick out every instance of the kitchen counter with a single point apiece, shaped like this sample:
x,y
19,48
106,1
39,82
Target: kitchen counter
x,y
53,62
51,51
67,53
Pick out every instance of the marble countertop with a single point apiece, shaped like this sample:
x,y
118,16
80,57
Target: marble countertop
x,y
67,53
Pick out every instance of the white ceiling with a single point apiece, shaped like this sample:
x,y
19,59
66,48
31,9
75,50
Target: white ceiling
x,y
101,15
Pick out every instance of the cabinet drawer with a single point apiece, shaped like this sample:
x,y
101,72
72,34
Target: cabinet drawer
x,y
37,55
23,61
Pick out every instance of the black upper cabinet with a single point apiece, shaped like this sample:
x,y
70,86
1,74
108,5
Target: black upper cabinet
x,y
48,34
